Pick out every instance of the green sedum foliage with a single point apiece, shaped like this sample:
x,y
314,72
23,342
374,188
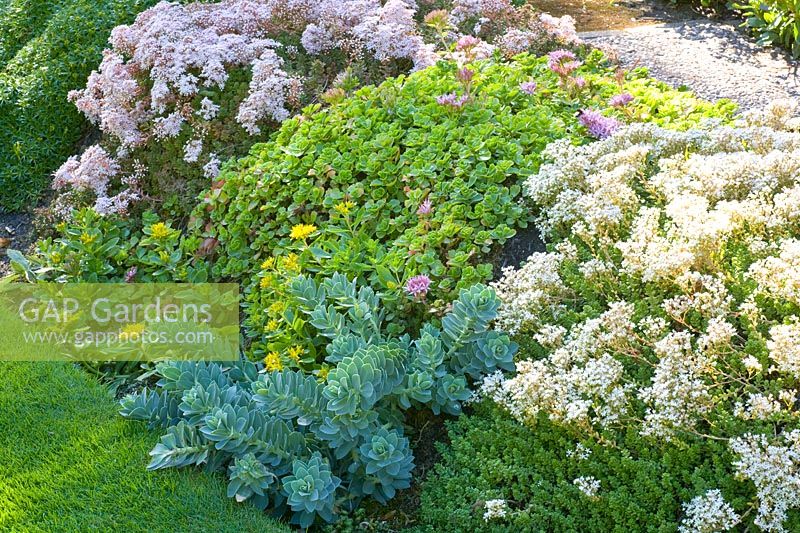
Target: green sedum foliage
x,y
644,487
316,446
46,50
359,171
773,22
96,249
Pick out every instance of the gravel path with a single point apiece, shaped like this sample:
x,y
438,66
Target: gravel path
x,y
711,58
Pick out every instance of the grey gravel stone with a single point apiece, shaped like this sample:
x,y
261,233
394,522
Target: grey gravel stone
x,y
713,59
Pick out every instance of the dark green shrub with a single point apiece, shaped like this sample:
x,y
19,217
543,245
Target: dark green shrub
x,y
491,456
39,128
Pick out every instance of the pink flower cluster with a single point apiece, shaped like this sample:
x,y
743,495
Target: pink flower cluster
x,y
146,86
452,100
464,10
528,87
418,286
93,171
425,208
620,100
562,62
547,30
599,126
561,28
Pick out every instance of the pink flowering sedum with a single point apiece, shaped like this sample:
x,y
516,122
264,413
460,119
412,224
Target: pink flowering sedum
x,y
620,100
418,286
148,87
562,62
599,126
528,87
452,100
425,208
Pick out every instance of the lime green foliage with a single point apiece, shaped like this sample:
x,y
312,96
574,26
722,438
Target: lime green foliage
x,y
359,171
68,462
98,249
54,46
492,457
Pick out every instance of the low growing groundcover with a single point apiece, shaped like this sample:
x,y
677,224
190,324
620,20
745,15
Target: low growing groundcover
x,y
68,462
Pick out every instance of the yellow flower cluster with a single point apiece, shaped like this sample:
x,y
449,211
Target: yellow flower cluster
x,y
295,352
276,308
302,231
159,230
344,208
272,362
87,239
266,281
291,262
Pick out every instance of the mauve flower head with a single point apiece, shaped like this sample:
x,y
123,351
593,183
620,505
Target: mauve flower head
x,y
467,42
465,75
452,100
130,275
579,81
598,125
425,208
418,286
620,100
562,62
528,87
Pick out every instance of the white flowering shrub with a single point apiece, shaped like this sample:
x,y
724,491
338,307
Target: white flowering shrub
x,y
187,86
668,304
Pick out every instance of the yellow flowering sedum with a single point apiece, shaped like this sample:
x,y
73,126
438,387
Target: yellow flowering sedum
x,y
295,352
302,231
344,208
291,262
272,362
266,281
159,230
87,239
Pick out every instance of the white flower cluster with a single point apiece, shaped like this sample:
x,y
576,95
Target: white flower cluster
x,y
773,465
588,485
686,242
536,288
708,513
495,510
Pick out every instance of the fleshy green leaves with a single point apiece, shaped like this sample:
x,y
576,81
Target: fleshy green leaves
x,y
361,380
310,490
249,480
181,446
282,434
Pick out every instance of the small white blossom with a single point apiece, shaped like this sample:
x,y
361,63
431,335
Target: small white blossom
x,y
495,509
587,485
708,513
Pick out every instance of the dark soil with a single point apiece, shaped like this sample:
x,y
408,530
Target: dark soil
x,y
16,231
517,250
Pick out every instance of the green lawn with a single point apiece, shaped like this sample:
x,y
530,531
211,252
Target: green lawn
x,y
69,462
